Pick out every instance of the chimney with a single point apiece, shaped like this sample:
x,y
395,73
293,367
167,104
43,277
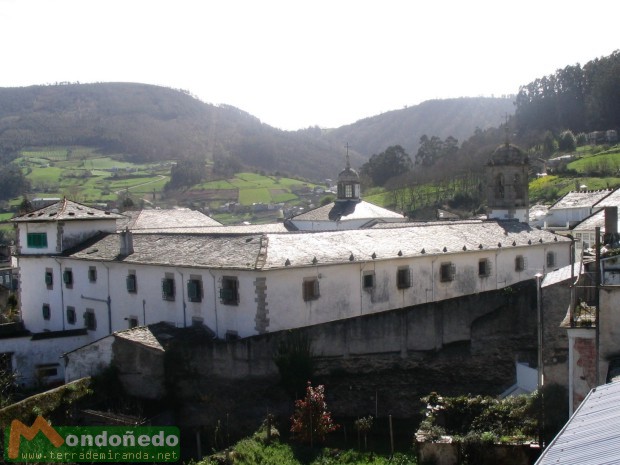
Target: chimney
x,y
126,240
611,226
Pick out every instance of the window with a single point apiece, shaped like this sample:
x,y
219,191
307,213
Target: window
x,y
310,289
132,321
229,292
71,315
348,191
447,271
194,290
49,278
550,259
167,288
368,280
47,312
132,283
90,321
67,277
37,240
484,267
519,263
403,278
92,274
45,371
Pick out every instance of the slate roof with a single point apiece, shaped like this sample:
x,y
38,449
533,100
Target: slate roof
x,y
348,210
561,274
612,200
66,210
591,435
269,251
579,199
179,219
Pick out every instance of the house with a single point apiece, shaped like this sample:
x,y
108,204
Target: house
x,y
85,273
573,208
585,231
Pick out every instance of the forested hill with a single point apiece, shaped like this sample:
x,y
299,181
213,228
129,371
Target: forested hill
x,y
147,123
458,118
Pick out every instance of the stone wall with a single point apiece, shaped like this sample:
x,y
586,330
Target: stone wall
x,y
375,364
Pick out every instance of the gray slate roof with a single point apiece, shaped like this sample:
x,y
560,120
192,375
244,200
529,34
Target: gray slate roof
x,y
66,210
561,274
579,199
348,210
592,435
272,250
612,200
178,219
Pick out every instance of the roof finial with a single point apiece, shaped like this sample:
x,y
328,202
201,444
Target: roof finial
x,y
348,163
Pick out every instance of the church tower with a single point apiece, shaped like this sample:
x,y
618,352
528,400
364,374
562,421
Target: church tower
x,y
507,184
349,186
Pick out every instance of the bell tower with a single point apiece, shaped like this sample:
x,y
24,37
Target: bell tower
x,y
507,184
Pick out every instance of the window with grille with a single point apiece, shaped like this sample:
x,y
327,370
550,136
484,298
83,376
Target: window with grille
x,y
167,288
71,315
194,290
67,277
90,321
368,280
132,283
310,289
36,240
49,278
550,259
519,263
403,278
484,267
46,311
447,271
92,274
229,292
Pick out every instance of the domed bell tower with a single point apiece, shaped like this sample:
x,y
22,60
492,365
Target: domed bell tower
x,y
507,184
349,186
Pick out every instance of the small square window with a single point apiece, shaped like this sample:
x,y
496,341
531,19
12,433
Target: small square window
x,y
167,288
92,274
194,290
132,321
550,259
71,315
368,280
519,263
49,278
484,268
47,312
36,240
403,278
447,271
311,289
229,292
67,277
90,321
132,283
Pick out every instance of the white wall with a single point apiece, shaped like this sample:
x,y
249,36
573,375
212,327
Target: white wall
x,y
89,360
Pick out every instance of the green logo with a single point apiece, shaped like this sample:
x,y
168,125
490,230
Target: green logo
x,y
44,443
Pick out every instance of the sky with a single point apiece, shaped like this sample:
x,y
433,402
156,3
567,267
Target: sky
x,y
300,63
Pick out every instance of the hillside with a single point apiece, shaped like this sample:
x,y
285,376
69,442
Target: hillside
x,y
146,123
458,118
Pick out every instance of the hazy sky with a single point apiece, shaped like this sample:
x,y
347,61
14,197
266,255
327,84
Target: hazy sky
x,y
300,63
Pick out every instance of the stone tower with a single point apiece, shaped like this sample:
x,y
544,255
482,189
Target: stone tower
x,y
507,184
349,186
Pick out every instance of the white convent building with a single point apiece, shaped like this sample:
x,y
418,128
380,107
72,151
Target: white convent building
x,y
85,273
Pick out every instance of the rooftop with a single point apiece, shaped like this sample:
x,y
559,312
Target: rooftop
x,y
178,219
273,250
579,199
66,210
348,210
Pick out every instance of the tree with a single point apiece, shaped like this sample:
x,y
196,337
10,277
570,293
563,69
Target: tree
x,y
386,165
187,173
311,420
567,141
12,182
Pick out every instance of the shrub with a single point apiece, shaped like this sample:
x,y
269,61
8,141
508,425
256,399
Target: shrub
x,y
311,420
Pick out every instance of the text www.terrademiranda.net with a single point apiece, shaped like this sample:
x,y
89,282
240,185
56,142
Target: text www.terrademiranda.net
x,y
108,455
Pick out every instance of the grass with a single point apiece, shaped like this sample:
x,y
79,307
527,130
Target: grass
x,y
257,451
